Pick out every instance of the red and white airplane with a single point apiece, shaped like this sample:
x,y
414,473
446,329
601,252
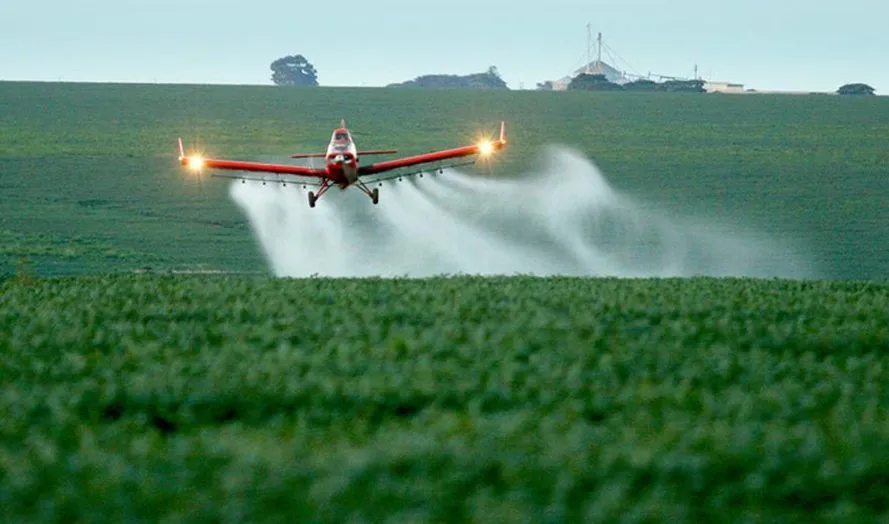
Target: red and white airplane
x,y
342,167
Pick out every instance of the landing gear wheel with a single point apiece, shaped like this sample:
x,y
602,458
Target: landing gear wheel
x,y
375,195
312,199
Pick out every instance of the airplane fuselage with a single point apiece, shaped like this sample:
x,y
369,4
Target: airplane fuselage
x,y
342,158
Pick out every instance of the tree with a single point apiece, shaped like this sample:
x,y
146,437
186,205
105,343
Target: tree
x,y
593,82
683,86
490,79
855,89
294,70
642,84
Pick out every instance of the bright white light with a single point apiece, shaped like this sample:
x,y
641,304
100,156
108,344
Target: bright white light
x,y
485,148
195,162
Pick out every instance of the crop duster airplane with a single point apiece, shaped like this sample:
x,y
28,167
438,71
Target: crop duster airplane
x,y
342,167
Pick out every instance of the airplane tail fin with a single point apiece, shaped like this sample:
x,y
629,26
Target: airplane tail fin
x,y
181,149
343,123
503,131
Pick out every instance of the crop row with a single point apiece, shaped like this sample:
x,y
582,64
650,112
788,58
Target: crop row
x,y
150,397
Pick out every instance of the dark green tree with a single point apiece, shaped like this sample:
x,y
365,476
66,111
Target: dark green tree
x,y
855,89
596,82
294,70
642,84
683,86
490,79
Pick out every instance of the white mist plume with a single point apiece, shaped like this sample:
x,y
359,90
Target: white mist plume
x,y
561,220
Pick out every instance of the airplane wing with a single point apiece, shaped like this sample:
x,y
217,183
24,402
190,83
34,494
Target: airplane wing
x,y
199,162
482,149
273,178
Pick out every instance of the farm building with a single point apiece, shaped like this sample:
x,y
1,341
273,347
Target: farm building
x,y
723,87
596,67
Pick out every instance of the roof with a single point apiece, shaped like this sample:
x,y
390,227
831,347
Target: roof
x,y
598,67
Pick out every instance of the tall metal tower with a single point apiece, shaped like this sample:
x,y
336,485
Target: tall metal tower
x,y
600,48
589,47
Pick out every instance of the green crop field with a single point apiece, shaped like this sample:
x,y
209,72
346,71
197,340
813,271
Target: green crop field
x,y
90,182
144,398
228,398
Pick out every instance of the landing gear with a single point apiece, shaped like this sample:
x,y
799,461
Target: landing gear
x,y
374,195
313,198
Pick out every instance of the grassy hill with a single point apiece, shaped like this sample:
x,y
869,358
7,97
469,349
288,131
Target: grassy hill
x,y
90,182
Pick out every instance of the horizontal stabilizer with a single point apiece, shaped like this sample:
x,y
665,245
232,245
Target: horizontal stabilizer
x,y
309,155
378,152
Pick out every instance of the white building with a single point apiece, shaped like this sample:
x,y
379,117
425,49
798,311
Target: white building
x,y
596,67
612,74
723,87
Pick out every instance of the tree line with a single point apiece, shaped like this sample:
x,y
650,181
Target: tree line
x,y
599,82
490,79
296,70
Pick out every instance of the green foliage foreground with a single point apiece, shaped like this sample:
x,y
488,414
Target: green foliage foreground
x,y
239,399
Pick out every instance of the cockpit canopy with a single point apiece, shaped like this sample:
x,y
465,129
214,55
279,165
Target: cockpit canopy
x,y
341,141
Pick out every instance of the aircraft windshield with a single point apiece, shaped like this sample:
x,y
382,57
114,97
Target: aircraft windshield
x,y
341,136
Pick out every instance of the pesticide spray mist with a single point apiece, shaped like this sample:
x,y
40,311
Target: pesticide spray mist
x,y
563,219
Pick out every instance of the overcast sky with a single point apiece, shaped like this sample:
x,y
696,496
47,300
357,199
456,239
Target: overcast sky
x,y
764,44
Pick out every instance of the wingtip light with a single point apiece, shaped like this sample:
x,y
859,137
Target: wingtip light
x,y
194,162
485,147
